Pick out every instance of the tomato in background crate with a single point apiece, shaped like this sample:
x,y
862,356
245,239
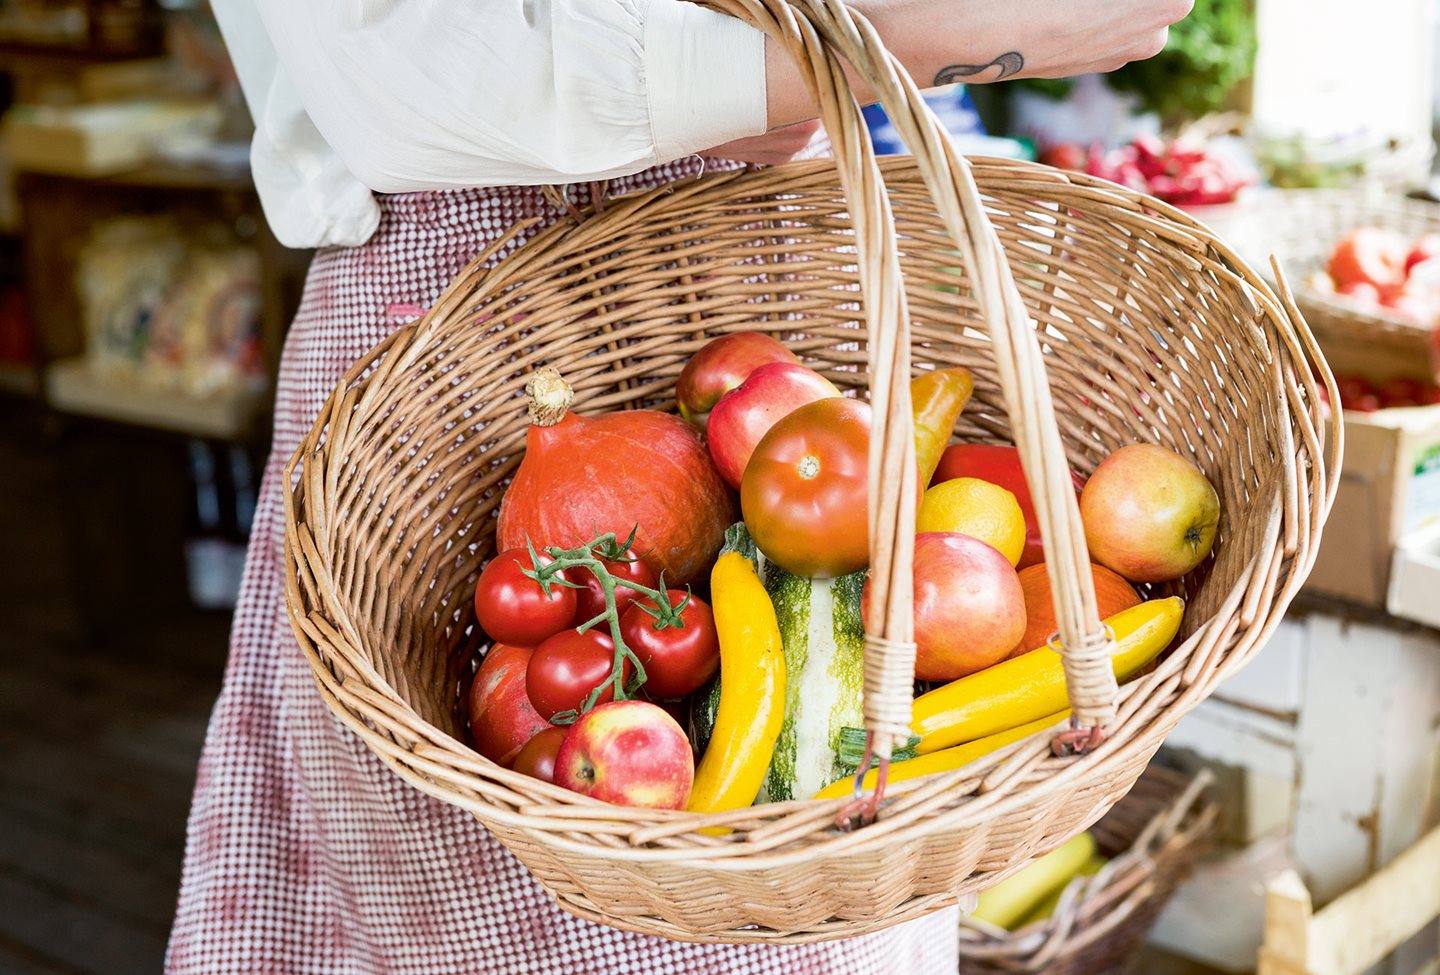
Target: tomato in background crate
x,y
1424,248
502,719
1368,255
513,608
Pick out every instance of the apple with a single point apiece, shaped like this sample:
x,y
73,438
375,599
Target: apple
x,y
630,753
1368,255
1424,248
1149,513
999,465
720,366
744,415
969,606
502,719
537,758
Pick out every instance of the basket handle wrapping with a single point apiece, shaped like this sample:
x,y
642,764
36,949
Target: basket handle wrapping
x,y
817,33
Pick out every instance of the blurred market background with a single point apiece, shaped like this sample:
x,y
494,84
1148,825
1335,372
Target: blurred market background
x,y
144,303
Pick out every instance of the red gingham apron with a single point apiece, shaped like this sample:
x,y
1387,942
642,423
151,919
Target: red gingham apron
x,y
305,854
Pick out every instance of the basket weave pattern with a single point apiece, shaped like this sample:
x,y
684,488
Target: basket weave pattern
x,y
1152,838
1148,330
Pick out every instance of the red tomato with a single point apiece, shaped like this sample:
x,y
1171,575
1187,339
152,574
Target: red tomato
x,y
567,667
1365,403
804,494
1352,388
999,465
502,718
1430,395
1401,391
677,659
1368,255
512,607
537,758
1360,293
1424,248
590,601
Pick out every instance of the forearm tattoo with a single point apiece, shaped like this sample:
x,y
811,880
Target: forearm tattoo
x,y
1009,63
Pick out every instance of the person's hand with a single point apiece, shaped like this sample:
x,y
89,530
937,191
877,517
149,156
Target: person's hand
x,y
774,147
944,41
1045,39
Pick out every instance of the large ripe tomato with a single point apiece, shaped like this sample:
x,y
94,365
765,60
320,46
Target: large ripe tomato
x,y
804,494
999,465
567,667
677,659
502,719
1369,255
537,758
590,601
1424,248
512,607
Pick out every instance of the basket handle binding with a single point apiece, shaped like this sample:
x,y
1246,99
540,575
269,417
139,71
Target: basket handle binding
x,y
817,33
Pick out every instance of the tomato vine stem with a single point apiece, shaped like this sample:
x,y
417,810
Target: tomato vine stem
x,y
588,556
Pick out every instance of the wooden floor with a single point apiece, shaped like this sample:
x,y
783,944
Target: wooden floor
x,y
105,690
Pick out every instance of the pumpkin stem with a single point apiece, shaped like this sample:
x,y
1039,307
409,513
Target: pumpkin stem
x,y
550,396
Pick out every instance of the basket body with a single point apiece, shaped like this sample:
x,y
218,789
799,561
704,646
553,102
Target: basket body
x,y
1152,332
1152,838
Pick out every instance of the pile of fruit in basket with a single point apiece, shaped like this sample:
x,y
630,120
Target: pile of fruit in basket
x,y
1378,271
678,605
1183,172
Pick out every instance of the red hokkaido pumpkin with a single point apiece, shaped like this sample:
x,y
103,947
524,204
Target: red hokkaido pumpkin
x,y
639,470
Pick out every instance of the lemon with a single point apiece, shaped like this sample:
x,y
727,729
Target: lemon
x,y
976,508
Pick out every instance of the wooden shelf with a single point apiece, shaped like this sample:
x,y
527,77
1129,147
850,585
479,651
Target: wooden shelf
x,y
32,54
73,387
18,379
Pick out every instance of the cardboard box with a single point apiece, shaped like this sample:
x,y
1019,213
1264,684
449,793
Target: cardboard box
x,y
1415,577
1389,486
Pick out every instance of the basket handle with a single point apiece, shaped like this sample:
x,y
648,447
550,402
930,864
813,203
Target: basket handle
x,y
816,34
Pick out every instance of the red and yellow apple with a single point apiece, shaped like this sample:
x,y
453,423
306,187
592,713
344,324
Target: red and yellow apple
x,y
502,719
719,367
744,415
969,607
630,753
1149,514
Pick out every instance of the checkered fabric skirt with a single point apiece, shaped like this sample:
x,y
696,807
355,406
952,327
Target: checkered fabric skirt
x,y
307,855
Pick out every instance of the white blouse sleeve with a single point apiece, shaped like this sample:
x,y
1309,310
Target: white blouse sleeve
x,y
435,94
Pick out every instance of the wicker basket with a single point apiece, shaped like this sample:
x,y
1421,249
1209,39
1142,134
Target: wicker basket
x,y
1152,330
1301,227
1152,838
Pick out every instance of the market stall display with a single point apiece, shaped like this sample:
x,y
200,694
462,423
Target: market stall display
x,y
1141,306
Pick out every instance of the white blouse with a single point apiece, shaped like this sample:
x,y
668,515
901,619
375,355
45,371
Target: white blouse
x,y
392,96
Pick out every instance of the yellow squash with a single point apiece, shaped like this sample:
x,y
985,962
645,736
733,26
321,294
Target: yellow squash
x,y
937,397
945,759
1046,908
752,689
1024,688
1020,893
